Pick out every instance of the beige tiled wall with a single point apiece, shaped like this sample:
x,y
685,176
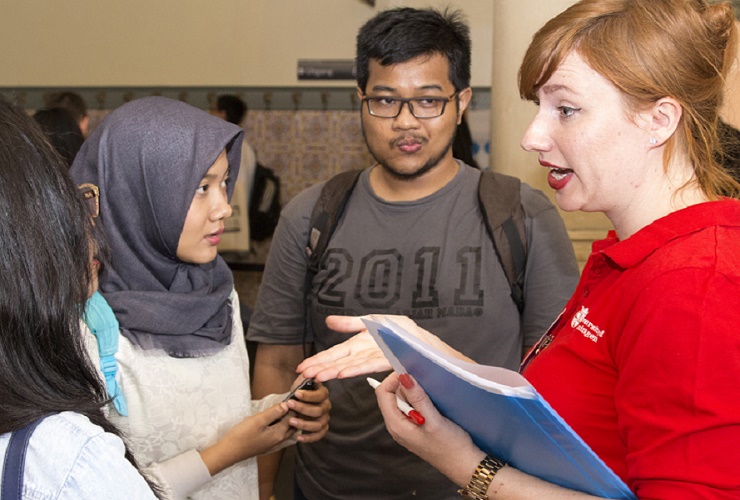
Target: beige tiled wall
x,y
305,147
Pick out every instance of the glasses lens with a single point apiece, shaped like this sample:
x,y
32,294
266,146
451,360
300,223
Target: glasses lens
x,y
421,107
384,108
91,196
427,108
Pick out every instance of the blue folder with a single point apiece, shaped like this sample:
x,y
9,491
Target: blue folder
x,y
518,426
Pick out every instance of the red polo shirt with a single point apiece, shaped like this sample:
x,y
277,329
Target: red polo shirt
x,y
644,362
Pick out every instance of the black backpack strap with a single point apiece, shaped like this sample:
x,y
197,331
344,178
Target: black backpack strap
x,y
15,461
326,214
324,218
501,206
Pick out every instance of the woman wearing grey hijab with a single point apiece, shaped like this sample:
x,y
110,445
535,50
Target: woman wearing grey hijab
x,y
162,169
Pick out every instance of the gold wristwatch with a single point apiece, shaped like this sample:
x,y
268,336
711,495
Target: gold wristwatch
x,y
477,488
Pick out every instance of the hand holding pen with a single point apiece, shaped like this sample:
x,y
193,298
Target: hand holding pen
x,y
413,415
440,442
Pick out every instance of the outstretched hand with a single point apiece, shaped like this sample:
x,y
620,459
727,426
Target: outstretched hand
x,y
358,355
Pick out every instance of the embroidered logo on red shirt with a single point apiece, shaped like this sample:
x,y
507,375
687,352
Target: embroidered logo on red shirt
x,y
588,329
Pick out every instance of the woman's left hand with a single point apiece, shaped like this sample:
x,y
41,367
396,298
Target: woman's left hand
x,y
438,441
312,413
358,355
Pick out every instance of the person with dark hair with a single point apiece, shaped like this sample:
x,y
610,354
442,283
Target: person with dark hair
x,y
401,35
237,237
46,378
163,170
643,363
72,102
62,130
411,240
231,108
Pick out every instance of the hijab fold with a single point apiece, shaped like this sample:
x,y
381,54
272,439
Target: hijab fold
x,y
147,158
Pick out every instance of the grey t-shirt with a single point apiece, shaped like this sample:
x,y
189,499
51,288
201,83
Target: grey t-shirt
x,y
429,259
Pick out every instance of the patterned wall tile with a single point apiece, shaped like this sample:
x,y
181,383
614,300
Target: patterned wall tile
x,y
306,147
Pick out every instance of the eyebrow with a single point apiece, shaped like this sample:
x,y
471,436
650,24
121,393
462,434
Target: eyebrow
x,y
384,88
551,88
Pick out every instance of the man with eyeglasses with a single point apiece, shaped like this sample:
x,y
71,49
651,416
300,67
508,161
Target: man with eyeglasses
x,y
411,241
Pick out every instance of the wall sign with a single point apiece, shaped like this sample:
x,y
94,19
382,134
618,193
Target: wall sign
x,y
326,69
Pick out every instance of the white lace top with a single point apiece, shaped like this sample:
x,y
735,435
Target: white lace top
x,y
177,406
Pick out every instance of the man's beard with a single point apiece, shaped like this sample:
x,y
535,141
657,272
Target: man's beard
x,y
409,176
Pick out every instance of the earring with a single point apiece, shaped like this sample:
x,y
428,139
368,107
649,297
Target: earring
x,y
653,141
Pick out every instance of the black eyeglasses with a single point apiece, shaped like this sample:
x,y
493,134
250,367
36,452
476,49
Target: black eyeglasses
x,y
91,195
420,107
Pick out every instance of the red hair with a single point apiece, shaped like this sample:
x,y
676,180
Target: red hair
x,y
650,49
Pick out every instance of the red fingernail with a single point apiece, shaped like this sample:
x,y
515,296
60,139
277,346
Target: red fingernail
x,y
406,380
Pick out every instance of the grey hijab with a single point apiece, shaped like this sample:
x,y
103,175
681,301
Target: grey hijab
x,y
147,158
